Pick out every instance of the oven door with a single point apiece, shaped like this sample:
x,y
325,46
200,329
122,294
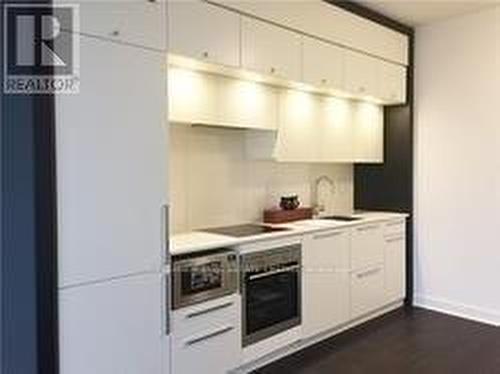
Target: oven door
x,y
271,302
203,278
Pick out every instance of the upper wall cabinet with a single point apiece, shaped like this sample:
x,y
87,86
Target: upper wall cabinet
x,y
392,84
372,78
141,23
299,134
368,133
315,128
361,74
322,64
270,50
329,22
209,99
204,32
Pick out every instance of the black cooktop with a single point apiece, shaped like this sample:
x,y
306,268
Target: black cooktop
x,y
244,230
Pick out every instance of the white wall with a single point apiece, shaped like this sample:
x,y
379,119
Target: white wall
x,y
458,166
213,183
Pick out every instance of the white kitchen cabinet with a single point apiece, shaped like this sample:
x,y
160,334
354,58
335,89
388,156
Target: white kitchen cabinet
x,y
337,130
368,133
247,104
138,22
270,50
395,264
299,131
361,75
325,274
322,64
367,77
329,22
192,97
206,338
367,246
204,32
111,148
208,99
392,83
367,290
117,326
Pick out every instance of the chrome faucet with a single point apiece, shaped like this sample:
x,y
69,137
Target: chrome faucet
x,y
319,208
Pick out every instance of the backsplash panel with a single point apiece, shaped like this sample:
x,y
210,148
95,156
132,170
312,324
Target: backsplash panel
x,y
213,183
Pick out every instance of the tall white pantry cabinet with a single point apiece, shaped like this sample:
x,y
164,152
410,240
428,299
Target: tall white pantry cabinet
x,y
111,149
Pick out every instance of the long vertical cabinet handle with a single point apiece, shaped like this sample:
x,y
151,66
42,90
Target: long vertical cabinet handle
x,y
165,248
166,294
166,276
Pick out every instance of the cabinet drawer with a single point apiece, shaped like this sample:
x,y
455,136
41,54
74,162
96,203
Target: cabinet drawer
x,y
395,227
367,290
367,247
205,316
213,350
142,22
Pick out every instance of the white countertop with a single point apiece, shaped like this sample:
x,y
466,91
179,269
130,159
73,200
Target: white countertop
x,y
198,241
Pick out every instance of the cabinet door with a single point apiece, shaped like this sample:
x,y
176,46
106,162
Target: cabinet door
x,y
322,64
270,50
337,130
204,32
141,23
392,83
361,75
367,246
112,164
299,128
368,133
192,97
247,104
395,267
325,300
367,290
114,327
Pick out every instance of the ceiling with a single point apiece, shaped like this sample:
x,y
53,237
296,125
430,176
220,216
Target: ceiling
x,y
421,12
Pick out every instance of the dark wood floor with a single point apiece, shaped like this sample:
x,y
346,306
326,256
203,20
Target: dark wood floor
x,y
405,341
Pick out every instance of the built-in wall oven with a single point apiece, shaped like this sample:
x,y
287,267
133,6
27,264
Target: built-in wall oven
x,y
203,276
271,292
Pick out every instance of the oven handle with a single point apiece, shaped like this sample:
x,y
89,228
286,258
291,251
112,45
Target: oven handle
x,y
273,272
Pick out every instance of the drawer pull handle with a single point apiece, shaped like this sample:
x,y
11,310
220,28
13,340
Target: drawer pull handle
x,y
115,33
368,273
366,228
397,223
393,240
209,310
209,336
329,235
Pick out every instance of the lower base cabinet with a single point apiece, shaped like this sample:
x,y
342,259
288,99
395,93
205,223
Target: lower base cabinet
x,y
207,337
395,265
325,300
367,290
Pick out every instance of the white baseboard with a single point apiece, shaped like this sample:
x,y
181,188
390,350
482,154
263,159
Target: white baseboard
x,y
483,315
